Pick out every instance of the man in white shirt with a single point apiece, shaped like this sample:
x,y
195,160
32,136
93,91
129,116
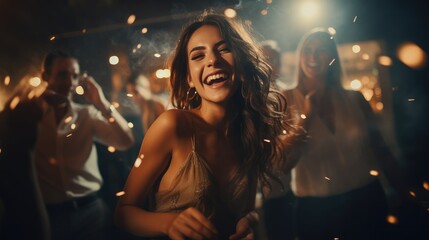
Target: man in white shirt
x,y
64,153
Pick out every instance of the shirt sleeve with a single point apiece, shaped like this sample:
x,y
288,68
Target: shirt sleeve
x,y
111,129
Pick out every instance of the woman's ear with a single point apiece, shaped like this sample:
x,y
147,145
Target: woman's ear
x,y
190,83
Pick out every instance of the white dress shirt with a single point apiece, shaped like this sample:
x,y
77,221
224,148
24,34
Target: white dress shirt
x,y
65,155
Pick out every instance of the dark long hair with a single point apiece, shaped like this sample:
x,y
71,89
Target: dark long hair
x,y
261,116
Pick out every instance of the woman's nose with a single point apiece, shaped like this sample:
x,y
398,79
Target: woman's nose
x,y
212,60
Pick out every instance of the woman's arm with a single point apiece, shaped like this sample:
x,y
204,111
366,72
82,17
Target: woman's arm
x,y
157,149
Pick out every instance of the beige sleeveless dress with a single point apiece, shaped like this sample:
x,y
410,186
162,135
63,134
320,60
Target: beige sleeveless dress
x,y
195,186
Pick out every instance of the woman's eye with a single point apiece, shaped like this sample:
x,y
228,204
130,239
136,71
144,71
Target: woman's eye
x,y
197,56
224,50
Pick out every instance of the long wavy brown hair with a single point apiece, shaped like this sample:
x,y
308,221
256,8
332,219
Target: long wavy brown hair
x,y
261,116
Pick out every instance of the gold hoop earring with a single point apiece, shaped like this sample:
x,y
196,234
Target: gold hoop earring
x,y
189,99
193,96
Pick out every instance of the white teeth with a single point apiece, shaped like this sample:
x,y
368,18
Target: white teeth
x,y
216,76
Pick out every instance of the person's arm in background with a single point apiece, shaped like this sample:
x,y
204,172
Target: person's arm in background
x,y
294,140
110,128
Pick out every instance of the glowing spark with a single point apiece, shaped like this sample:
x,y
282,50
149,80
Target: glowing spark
x,y
130,125
412,193
0,150
31,94
141,156
267,140
68,119
327,178
69,135
139,45
129,95
131,19
356,84
113,60
111,149
73,126
354,20
333,60
411,99
264,12
35,81
412,55
157,55
284,132
134,50
426,185
167,73
52,38
115,104
6,80
303,116
137,162
15,101
269,1
230,13
332,31
356,48
84,30
379,106
144,30
79,90
385,61
365,56
373,172
111,120
121,193
392,219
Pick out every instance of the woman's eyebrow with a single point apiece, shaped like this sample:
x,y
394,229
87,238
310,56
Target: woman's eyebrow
x,y
202,47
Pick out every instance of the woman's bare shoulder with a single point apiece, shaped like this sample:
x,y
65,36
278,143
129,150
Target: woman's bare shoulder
x,y
173,121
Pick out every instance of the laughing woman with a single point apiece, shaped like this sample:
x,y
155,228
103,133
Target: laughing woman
x,y
199,164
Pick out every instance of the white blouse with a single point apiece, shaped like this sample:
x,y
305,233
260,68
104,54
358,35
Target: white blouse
x,y
333,162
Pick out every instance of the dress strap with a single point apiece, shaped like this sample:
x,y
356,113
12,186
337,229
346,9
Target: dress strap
x,y
193,142
193,137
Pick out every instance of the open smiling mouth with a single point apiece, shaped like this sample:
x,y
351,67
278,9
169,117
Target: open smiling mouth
x,y
216,78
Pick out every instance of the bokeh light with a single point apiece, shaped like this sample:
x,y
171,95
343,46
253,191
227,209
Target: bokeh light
x,y
113,60
231,13
412,55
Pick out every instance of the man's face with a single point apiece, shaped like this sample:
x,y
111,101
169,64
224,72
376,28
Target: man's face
x,y
63,76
